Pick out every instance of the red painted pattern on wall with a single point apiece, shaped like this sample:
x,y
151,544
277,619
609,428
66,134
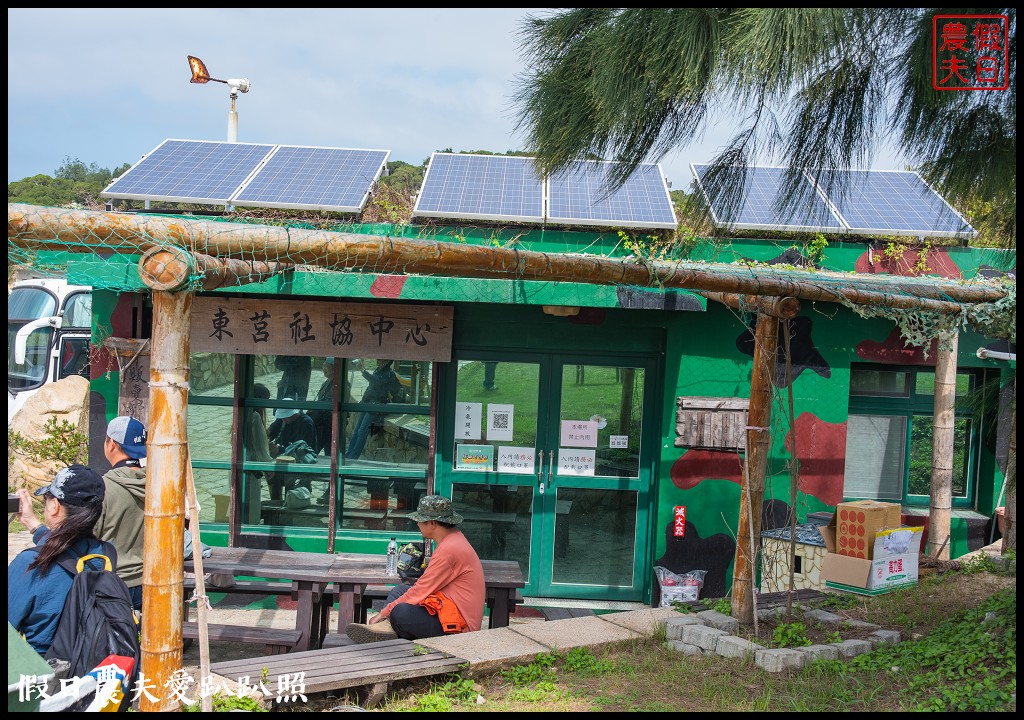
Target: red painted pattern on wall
x,y
388,286
821,449
697,465
937,260
896,351
101,360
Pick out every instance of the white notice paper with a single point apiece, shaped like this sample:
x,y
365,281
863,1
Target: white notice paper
x,y
467,420
618,441
579,433
499,421
513,459
576,462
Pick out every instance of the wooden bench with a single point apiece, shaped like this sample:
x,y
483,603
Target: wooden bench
x,y
276,640
370,665
380,592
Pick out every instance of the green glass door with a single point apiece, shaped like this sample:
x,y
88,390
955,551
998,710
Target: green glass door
x,y
549,460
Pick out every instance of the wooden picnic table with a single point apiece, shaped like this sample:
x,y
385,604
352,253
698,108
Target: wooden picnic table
x,y
316,580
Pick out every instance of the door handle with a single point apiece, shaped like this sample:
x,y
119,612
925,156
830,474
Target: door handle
x,y
540,474
551,468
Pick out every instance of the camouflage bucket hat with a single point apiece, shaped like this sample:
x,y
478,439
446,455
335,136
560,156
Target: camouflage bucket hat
x,y
435,507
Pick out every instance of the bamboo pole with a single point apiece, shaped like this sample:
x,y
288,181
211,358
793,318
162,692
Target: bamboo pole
x,y
780,307
755,464
34,227
943,438
201,601
163,556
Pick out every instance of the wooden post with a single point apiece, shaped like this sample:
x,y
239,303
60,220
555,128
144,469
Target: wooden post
x,y
943,437
766,341
166,469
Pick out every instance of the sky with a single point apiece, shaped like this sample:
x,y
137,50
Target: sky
x,y
108,85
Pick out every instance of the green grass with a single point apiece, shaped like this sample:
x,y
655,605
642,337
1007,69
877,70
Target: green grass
x,y
962,657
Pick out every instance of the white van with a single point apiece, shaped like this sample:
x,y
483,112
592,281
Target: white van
x,y
49,326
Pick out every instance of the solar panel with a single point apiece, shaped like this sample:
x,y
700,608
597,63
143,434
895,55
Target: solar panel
x,y
759,207
578,195
894,203
481,187
314,178
190,171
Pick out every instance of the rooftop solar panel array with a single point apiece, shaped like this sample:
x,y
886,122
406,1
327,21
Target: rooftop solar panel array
x,y
873,201
278,176
192,171
506,189
314,178
578,195
870,202
759,207
481,187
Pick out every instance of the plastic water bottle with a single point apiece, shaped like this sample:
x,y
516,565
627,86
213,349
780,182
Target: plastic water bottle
x,y
392,565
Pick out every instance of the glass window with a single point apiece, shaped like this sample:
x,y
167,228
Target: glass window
x,y
924,384
74,357
78,311
894,383
612,397
386,418
211,375
921,440
875,470
479,384
890,431
32,372
209,432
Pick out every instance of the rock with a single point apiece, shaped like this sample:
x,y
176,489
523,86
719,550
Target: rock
x,y
66,399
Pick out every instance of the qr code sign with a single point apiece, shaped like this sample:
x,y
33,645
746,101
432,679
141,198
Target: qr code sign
x,y
499,421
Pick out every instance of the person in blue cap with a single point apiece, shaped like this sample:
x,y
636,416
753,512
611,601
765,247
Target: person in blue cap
x,y
124,508
37,585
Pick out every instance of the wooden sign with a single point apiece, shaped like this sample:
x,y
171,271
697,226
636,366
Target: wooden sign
x,y
711,422
290,326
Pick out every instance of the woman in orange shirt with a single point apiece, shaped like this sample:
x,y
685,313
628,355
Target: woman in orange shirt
x,y
448,597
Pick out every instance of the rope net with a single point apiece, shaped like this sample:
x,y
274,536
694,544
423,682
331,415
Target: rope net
x,y
248,247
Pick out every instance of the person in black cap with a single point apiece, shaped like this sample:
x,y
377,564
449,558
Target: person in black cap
x,y
37,585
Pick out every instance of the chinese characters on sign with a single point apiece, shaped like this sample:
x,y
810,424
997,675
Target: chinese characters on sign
x,y
679,521
969,52
285,326
516,459
467,421
576,462
618,441
579,433
474,457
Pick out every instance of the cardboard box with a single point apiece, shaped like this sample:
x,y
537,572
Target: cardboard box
x,y
895,563
855,523
870,577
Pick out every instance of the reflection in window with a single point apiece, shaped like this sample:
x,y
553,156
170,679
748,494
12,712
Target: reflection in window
x,y
483,383
921,439
612,397
497,520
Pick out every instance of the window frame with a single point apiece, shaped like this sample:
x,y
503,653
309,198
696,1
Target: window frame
x,y
917,406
